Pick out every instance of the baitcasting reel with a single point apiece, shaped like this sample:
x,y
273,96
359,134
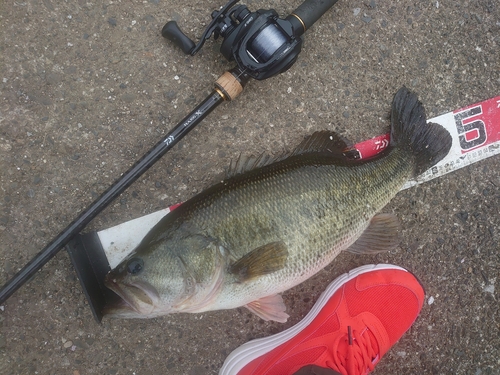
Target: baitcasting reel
x,y
262,44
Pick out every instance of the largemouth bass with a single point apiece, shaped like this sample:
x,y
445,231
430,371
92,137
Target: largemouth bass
x,y
273,224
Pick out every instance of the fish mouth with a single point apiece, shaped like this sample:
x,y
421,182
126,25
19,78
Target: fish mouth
x,y
137,299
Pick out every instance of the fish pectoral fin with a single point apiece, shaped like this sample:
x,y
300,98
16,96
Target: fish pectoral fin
x,y
269,308
260,261
381,235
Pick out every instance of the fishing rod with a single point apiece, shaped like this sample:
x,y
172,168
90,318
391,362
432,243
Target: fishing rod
x,y
262,45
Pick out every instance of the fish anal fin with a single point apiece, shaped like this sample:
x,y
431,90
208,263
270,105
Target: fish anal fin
x,y
261,261
269,308
381,235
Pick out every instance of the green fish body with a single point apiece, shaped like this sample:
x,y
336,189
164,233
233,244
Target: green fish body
x,y
273,224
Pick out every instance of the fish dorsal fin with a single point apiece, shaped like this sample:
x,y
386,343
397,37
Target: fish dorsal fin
x,y
323,141
247,163
381,235
269,308
260,261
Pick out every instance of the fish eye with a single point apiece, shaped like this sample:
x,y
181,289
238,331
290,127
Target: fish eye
x,y
135,266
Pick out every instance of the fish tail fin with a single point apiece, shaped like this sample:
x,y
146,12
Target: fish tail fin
x,y
428,142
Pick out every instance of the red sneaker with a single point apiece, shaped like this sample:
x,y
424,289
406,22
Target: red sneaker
x,y
352,325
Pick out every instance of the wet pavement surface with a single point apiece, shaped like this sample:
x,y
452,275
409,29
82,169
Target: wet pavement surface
x,y
88,87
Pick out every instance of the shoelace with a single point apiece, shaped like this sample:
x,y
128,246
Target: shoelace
x,y
354,353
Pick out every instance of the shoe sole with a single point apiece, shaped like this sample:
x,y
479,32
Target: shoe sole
x,y
251,350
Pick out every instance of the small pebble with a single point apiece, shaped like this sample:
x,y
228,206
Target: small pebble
x,y
68,344
490,289
430,301
5,147
463,216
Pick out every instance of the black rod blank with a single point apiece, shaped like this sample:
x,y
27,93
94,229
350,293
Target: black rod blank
x,y
311,10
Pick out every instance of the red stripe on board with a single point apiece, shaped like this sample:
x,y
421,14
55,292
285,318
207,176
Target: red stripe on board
x,y
372,146
478,125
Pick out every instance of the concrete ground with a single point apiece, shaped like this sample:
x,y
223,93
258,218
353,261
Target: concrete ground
x,y
88,87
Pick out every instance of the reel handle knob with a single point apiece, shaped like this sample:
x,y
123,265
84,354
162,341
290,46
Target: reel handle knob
x,y
172,32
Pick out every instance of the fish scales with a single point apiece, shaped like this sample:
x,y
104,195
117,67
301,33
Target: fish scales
x,y
310,207
273,224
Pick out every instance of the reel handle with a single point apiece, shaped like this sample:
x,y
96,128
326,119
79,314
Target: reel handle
x,y
172,32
